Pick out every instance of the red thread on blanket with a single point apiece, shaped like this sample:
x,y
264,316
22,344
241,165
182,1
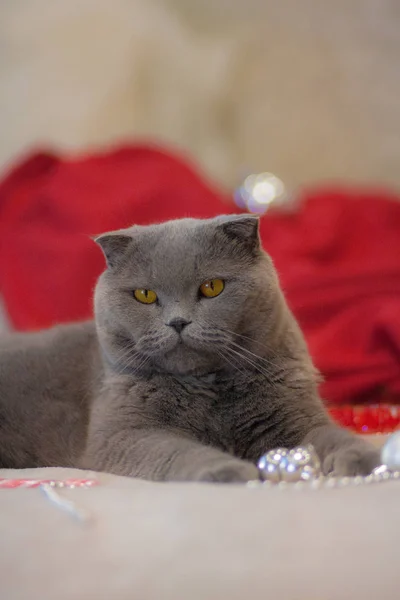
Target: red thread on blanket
x,y
34,483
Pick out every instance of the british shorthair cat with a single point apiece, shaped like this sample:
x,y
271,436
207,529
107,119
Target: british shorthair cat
x,y
193,368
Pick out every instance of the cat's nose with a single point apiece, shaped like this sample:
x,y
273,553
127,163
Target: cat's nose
x,y
178,324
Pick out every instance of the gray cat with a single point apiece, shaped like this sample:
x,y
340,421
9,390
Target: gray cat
x,y
193,368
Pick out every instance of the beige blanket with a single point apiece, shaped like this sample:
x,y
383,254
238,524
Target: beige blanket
x,y
147,541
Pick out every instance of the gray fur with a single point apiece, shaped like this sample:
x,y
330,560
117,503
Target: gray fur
x,y
130,395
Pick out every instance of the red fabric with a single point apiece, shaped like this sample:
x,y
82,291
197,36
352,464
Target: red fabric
x,y
339,262
338,256
49,207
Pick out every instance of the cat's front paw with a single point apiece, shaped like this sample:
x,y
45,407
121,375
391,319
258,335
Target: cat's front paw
x,y
356,459
228,471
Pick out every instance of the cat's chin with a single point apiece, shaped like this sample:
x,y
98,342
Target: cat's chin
x,y
183,361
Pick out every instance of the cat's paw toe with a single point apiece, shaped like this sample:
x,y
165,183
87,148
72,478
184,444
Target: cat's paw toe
x,y
234,471
351,461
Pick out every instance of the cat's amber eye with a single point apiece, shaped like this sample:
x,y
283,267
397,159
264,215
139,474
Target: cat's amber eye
x,y
212,288
145,296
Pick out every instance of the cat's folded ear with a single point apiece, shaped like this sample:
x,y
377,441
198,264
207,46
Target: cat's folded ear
x,y
114,246
243,229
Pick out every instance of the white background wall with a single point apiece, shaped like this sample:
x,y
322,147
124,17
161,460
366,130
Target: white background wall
x,y
307,89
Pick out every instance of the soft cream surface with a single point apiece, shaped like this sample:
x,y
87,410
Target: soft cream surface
x,y
152,541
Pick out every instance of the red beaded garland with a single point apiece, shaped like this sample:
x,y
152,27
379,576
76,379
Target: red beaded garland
x,y
377,418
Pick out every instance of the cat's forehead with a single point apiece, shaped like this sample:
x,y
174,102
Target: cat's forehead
x,y
180,248
179,251
187,236
190,235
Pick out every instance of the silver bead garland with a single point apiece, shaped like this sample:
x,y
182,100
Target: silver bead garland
x,y
300,468
299,464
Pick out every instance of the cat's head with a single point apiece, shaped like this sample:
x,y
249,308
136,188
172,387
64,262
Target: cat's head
x,y
182,296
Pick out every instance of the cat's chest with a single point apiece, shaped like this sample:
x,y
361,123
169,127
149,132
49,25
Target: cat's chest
x,y
202,407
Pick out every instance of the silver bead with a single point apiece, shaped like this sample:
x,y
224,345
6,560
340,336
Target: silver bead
x,y
269,471
299,464
379,471
316,483
344,481
300,485
277,455
253,483
331,482
270,463
308,473
268,484
390,454
300,455
314,459
260,191
290,470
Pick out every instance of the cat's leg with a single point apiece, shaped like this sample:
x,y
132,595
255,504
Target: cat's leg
x,y
162,455
282,419
341,452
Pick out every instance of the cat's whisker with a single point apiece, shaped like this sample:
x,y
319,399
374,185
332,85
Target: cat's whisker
x,y
142,364
128,356
224,356
256,356
223,344
244,368
243,357
247,337
127,350
252,363
137,367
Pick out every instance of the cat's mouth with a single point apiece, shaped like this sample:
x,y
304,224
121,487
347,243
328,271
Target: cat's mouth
x,y
185,346
182,353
